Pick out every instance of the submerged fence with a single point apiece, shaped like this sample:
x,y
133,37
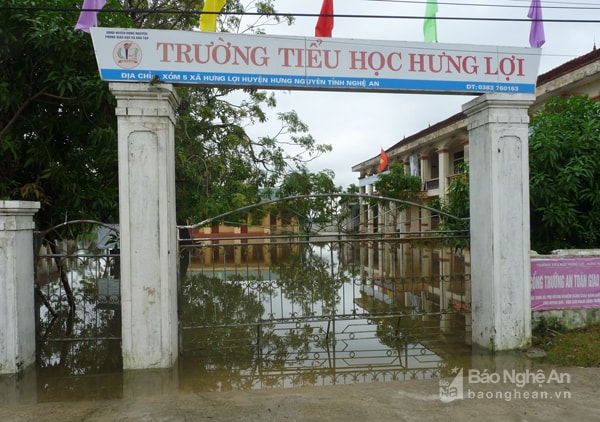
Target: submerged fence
x,y
293,309
342,307
77,285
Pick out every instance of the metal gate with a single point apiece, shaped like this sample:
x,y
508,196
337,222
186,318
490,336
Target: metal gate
x,y
339,303
78,308
263,302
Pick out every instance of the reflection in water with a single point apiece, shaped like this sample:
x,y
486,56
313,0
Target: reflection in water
x,y
302,320
78,325
310,354
84,338
305,320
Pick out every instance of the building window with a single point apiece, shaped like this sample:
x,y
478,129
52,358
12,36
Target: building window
x,y
459,157
286,218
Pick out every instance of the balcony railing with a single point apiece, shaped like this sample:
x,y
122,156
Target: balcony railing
x,y
432,184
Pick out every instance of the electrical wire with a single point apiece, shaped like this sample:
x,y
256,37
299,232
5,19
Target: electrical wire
x,y
311,15
526,5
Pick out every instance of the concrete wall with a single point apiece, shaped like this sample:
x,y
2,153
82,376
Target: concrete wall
x,y
17,311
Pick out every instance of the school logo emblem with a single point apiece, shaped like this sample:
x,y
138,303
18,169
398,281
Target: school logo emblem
x,y
127,54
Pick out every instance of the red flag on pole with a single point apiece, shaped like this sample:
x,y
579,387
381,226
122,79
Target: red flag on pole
x,y
325,22
383,161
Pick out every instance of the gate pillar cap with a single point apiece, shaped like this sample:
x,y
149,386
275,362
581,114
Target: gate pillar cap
x,y
19,207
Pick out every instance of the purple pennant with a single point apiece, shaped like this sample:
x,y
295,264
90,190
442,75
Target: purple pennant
x,y
89,14
536,34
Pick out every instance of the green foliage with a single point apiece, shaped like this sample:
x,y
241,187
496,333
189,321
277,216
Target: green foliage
x,y
163,15
352,188
458,203
219,166
211,301
398,185
454,219
564,167
564,162
319,210
308,279
58,141
577,347
57,127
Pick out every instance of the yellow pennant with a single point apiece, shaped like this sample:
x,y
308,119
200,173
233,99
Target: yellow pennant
x,y
208,21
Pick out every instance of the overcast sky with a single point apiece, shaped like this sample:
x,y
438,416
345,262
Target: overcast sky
x,y
357,125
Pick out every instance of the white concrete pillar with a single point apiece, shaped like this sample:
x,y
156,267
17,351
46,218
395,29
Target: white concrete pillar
x,y
368,213
499,196
465,145
425,168
17,304
146,120
443,171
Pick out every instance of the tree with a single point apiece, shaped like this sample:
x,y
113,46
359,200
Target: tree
x,y
564,166
564,177
57,125
184,14
352,189
455,209
220,167
317,210
398,185
58,128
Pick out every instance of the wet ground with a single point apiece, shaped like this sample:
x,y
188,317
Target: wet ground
x,y
414,367
299,375
292,357
389,354
564,394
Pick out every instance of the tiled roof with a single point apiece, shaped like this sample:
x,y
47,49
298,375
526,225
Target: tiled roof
x,y
555,73
450,120
568,67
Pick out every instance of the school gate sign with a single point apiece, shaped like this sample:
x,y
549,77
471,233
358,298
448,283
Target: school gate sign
x,y
142,66
277,62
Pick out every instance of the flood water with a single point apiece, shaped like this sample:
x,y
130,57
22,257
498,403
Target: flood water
x,y
354,363
254,329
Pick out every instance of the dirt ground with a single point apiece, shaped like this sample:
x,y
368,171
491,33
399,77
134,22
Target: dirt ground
x,y
541,394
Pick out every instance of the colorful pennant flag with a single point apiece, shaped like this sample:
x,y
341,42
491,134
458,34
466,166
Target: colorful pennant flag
x,y
430,25
325,22
537,38
208,21
89,14
383,161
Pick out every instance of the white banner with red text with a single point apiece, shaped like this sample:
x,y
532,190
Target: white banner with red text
x,y
307,63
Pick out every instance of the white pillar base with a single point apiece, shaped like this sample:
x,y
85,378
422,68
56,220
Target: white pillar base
x,y
17,296
146,119
500,227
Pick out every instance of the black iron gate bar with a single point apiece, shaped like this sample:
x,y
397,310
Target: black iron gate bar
x,y
335,317
73,262
222,267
